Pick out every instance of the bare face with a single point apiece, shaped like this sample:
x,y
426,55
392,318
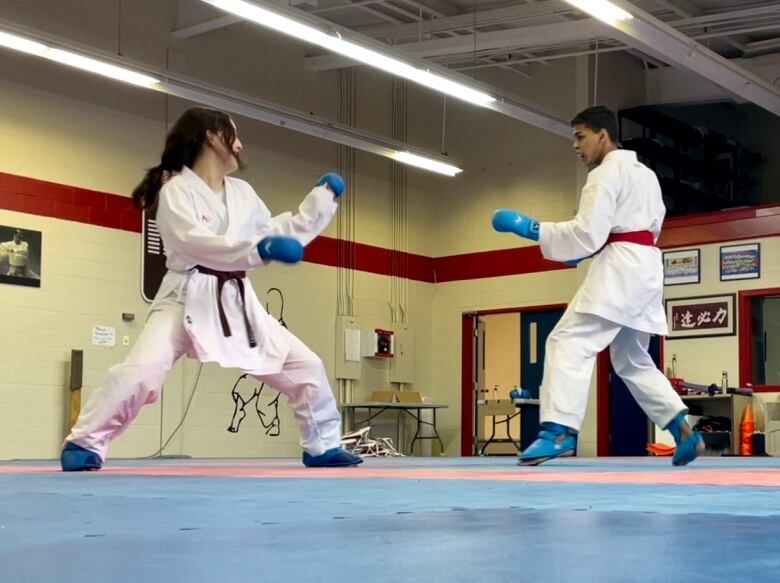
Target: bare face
x,y
591,146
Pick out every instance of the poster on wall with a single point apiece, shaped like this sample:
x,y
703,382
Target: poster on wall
x,y
20,256
740,262
152,257
701,317
681,267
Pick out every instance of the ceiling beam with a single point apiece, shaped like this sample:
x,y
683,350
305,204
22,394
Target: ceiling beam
x,y
503,102
658,39
204,27
515,39
682,8
434,7
507,15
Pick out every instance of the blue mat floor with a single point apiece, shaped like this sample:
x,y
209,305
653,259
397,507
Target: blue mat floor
x,y
126,527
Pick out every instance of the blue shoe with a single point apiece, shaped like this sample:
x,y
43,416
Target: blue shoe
x,y
337,457
75,458
687,449
554,441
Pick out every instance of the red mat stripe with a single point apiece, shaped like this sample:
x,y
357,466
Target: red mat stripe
x,y
760,477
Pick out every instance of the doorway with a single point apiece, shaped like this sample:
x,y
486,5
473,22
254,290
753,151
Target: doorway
x,y
522,358
759,339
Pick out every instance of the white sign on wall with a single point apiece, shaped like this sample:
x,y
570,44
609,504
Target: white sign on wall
x,y
103,336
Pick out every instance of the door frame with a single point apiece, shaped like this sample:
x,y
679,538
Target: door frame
x,y
467,368
603,401
744,336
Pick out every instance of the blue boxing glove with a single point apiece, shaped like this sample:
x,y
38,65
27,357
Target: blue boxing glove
x,y
280,248
509,221
333,181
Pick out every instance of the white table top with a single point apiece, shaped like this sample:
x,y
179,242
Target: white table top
x,y
526,401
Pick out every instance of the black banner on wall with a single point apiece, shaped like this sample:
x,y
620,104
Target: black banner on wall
x,y
152,257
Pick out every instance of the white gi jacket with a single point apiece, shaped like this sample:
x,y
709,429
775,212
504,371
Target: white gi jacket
x,y
198,229
625,281
18,253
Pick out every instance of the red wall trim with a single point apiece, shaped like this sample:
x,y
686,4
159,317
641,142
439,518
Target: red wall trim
x,y
495,263
39,197
721,227
49,199
466,395
324,251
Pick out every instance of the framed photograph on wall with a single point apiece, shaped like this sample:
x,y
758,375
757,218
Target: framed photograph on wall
x,y
740,261
20,256
681,267
701,317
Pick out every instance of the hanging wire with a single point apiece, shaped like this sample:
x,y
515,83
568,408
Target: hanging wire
x,y
345,250
119,29
596,73
158,453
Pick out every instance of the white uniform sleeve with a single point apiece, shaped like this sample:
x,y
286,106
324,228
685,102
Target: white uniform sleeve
x,y
184,235
588,231
313,216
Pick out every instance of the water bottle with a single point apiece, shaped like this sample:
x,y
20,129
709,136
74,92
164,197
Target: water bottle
x,y
724,382
495,392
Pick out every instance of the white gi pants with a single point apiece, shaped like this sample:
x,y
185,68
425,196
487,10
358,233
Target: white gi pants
x,y
138,380
570,353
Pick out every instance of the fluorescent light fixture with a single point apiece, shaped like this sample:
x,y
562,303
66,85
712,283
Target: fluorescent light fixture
x,y
336,44
24,45
604,10
220,99
31,47
426,163
100,68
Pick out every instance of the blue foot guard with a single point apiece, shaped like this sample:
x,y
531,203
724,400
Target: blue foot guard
x,y
333,458
687,448
75,458
554,440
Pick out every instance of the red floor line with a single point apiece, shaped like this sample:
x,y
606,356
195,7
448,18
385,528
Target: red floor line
x,y
759,477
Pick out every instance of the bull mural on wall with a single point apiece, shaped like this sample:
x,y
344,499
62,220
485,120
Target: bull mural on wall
x,y
248,389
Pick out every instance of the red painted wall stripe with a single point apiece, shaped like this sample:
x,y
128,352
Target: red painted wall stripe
x,y
721,227
49,199
371,259
493,264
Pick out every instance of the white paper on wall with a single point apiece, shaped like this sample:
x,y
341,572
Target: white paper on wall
x,y
103,336
352,345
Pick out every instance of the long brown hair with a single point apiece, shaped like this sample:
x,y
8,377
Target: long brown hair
x,y
182,147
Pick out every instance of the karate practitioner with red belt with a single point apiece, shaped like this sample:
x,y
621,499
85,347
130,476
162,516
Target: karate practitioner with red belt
x,y
620,303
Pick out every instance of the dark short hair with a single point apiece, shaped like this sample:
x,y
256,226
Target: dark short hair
x,y
597,118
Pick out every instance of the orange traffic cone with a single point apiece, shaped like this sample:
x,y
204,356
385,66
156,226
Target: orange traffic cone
x,y
746,429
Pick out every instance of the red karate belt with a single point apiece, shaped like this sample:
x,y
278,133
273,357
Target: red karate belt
x,y
639,237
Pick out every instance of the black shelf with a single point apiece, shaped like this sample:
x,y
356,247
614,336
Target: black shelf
x,y
699,170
